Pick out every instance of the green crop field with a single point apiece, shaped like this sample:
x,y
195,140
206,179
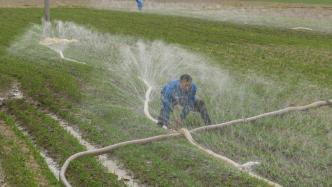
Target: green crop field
x,y
266,68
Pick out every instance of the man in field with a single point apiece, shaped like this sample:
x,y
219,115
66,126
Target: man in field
x,y
140,4
181,92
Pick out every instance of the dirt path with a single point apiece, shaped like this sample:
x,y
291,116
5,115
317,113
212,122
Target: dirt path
x,y
31,163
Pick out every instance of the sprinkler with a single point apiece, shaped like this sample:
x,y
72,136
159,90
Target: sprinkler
x,y
58,45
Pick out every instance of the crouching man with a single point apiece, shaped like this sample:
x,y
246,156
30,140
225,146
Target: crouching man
x,y
181,92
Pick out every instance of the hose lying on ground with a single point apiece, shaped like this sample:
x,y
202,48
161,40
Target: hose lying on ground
x,y
147,100
186,133
242,167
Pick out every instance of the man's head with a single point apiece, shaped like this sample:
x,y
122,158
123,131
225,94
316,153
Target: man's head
x,y
185,82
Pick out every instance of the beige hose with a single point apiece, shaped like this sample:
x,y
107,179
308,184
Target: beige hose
x,y
274,113
189,138
109,149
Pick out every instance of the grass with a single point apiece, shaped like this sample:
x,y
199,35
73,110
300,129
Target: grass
x,y
14,158
48,135
14,165
294,150
5,81
288,58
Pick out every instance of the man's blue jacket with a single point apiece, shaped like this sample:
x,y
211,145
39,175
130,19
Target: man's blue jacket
x,y
172,94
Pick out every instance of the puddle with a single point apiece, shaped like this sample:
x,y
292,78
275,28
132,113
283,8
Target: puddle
x,y
15,92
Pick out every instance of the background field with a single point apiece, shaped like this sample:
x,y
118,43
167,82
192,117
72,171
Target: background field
x,y
300,1
269,68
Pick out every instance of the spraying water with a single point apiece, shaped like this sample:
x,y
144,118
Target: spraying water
x,y
129,73
136,68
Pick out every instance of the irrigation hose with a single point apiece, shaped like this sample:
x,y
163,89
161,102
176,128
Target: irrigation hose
x,y
329,102
147,100
108,149
274,113
187,134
